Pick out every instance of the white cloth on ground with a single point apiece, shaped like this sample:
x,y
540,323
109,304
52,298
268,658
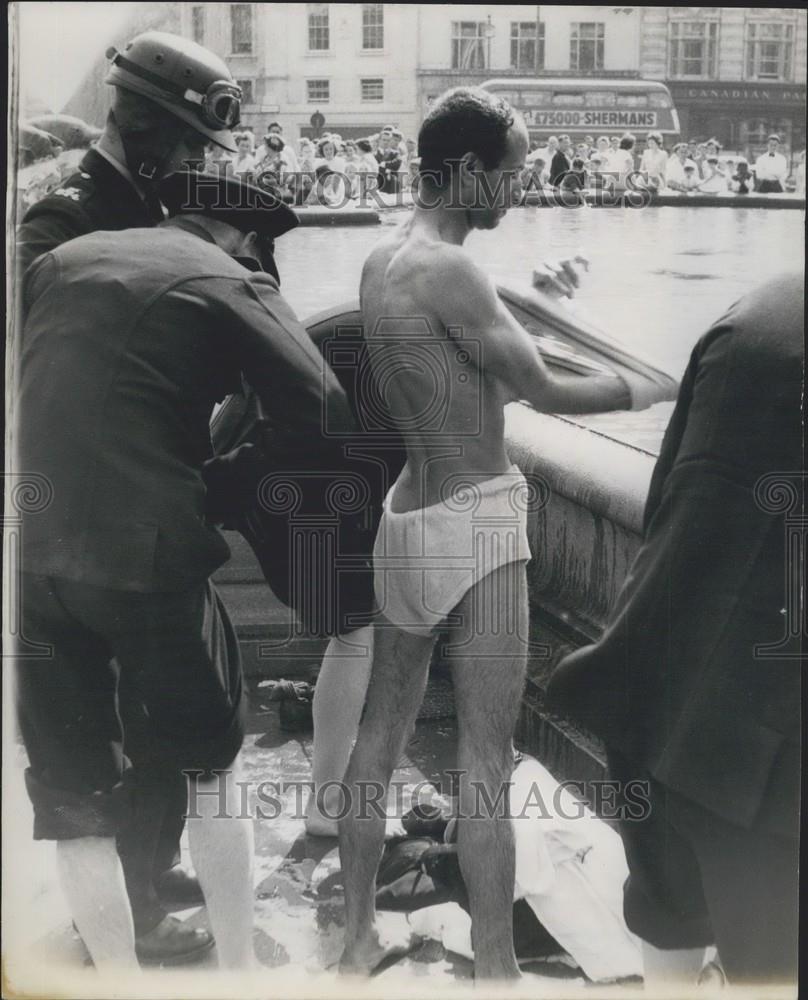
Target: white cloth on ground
x,y
570,869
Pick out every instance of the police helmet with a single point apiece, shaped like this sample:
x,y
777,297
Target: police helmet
x,y
184,78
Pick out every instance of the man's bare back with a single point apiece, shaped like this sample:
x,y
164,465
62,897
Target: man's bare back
x,y
430,368
448,356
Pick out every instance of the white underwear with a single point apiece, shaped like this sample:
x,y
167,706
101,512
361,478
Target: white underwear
x,y
425,560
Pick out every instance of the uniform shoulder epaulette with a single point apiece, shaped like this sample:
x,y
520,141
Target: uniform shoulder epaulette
x,y
75,193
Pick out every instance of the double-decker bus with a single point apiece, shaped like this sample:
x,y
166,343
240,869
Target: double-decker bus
x,y
582,106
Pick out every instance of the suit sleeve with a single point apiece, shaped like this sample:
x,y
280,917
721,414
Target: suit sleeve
x,y
297,390
48,225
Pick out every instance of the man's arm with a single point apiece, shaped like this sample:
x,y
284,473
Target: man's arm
x,y
46,226
469,300
297,389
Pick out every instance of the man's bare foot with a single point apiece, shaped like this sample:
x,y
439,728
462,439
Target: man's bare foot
x,y
374,956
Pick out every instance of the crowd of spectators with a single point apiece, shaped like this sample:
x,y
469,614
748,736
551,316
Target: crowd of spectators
x,y
690,167
330,169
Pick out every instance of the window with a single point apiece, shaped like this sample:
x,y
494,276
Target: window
x,y
247,94
241,29
525,54
586,45
319,40
373,90
769,50
468,45
318,91
693,49
372,26
198,24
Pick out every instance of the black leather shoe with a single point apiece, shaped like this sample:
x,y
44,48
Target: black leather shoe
x,y
172,942
177,889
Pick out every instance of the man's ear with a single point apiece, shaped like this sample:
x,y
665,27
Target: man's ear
x,y
250,246
470,164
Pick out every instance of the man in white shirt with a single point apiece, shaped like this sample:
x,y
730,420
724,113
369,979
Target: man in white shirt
x,y
675,176
771,168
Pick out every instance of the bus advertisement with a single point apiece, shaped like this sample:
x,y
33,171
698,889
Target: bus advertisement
x,y
589,106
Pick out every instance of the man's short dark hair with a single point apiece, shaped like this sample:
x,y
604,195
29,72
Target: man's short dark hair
x,y
464,120
627,142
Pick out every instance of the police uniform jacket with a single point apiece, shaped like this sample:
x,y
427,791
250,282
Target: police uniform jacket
x,y
129,341
96,197
681,683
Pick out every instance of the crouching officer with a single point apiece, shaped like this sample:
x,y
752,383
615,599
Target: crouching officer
x,y
129,341
171,98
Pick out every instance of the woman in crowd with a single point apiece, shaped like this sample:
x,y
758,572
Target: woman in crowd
x,y
604,151
654,161
304,181
330,171
715,180
366,168
351,157
269,172
243,161
675,169
327,160
623,159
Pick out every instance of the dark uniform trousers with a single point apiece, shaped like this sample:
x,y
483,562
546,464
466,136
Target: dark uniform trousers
x,y
129,341
686,687
98,197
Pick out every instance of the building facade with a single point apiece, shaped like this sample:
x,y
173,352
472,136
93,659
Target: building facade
x,y
352,63
461,44
735,73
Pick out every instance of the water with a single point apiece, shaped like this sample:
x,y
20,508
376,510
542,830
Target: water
x,y
659,277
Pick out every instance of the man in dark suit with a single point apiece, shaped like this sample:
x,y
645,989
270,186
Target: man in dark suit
x,y
561,161
153,127
691,687
129,340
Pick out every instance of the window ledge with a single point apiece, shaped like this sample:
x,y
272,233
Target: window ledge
x,y
319,54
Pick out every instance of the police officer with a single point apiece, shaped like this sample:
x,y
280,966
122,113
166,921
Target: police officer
x,y
129,340
172,97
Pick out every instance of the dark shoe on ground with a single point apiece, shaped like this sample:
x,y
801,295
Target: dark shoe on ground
x,y
172,942
177,889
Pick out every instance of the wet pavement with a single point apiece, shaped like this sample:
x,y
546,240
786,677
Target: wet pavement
x,y
298,888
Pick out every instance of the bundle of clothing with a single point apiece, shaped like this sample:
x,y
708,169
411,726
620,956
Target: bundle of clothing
x,y
568,892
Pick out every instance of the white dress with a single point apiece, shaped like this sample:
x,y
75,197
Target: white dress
x,y
654,163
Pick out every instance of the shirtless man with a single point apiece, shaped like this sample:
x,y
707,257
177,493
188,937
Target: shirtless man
x,y
442,343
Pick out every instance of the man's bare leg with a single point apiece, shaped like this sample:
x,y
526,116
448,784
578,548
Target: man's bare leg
x,y
221,844
338,701
92,880
488,656
397,681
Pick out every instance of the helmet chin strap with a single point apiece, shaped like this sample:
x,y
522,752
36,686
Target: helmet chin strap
x,y
138,149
